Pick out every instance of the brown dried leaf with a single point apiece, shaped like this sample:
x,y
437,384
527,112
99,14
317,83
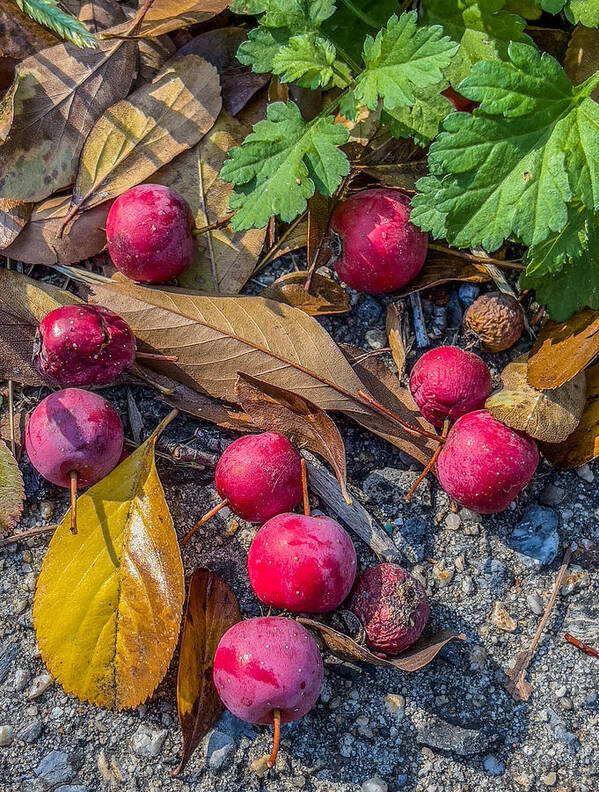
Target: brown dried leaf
x,y
204,407
215,338
20,36
30,299
278,410
140,134
165,16
219,47
20,424
326,296
563,349
96,15
153,54
320,209
211,610
550,415
195,175
12,491
582,445
50,110
442,268
416,657
403,175
14,216
40,243
16,349
582,56
396,333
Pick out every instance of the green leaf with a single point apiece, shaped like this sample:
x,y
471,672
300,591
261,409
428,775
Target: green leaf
x,y
551,255
422,120
47,13
281,163
584,11
482,28
402,58
353,20
510,168
310,61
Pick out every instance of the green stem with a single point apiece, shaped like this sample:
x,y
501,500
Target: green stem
x,y
587,87
361,15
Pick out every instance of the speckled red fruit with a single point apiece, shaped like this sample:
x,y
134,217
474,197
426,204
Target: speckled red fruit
x,y
302,564
148,230
448,382
266,664
484,464
260,475
380,250
83,345
392,606
77,430
458,101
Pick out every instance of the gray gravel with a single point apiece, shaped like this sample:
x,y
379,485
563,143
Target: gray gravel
x,y
446,728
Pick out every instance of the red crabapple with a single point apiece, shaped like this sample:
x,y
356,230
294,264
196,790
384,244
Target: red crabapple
x,y
448,382
148,230
392,606
484,464
83,345
268,670
302,564
380,250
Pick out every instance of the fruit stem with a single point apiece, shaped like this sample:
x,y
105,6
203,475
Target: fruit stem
x,y
430,465
204,519
276,716
73,489
388,414
156,356
305,498
212,226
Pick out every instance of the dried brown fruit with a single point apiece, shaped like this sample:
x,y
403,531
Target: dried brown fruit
x,y
496,319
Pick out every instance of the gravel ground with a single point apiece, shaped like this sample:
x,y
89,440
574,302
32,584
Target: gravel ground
x,y
450,726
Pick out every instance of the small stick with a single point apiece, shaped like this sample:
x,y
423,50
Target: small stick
x,y
418,319
204,519
396,419
26,535
212,226
480,259
11,417
276,738
73,489
580,645
430,465
305,498
156,356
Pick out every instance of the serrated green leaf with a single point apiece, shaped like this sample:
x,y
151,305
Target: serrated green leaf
x,y
353,20
260,48
511,167
422,120
551,255
585,12
281,163
310,61
402,58
483,29
425,209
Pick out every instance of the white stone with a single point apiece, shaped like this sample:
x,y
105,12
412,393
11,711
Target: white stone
x,y
148,742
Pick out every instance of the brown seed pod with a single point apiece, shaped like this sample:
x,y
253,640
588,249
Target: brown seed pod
x,y
496,319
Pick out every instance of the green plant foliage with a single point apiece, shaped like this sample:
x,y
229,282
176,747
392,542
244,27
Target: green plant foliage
x,y
47,13
584,11
421,120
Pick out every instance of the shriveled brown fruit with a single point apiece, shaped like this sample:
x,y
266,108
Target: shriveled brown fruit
x,y
496,319
547,415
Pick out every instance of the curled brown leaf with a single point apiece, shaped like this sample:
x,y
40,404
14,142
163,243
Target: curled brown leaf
x,y
325,296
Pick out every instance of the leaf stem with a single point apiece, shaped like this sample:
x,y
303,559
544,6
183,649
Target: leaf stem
x,y
368,20
305,497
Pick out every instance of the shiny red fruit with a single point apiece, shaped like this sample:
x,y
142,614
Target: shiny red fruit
x,y
260,476
448,382
83,345
302,564
76,430
148,230
267,664
380,250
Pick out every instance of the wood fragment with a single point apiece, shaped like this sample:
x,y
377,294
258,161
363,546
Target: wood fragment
x,y
418,320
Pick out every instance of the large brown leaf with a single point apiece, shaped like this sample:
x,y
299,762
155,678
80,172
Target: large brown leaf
x,y
40,241
416,657
20,36
549,415
211,609
215,338
219,47
275,409
139,134
16,349
229,255
49,111
165,16
96,15
325,295
13,219
563,349
583,444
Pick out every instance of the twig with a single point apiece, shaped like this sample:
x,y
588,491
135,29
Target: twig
x,y
418,320
478,259
26,535
209,236
580,645
430,465
516,684
275,248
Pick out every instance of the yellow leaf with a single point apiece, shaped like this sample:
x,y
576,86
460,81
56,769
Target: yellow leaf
x,y
11,490
165,16
108,601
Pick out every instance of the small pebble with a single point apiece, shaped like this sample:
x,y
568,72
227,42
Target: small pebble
x,y
46,509
375,338
374,784
549,779
493,766
22,677
39,685
453,522
7,735
502,619
535,604
443,573
585,473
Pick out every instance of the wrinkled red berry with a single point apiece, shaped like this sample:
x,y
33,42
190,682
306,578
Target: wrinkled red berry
x,y
74,430
448,382
83,345
392,606
300,563
148,230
